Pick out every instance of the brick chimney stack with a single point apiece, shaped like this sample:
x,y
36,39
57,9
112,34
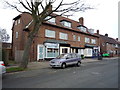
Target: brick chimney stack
x,y
106,35
97,32
81,21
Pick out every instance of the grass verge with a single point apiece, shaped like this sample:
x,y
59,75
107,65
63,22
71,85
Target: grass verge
x,y
14,69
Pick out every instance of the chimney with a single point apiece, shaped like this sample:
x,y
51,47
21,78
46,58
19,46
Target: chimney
x,y
106,35
81,21
117,39
97,32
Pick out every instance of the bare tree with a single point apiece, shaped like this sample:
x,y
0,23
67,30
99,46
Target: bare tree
x,y
4,37
39,10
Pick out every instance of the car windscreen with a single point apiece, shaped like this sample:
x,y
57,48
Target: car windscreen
x,y
61,56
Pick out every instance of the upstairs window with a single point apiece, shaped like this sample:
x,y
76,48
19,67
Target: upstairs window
x,y
17,22
87,40
66,24
50,33
78,38
93,41
74,37
63,36
83,29
50,19
16,35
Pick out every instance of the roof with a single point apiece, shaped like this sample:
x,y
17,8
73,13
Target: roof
x,y
108,39
74,28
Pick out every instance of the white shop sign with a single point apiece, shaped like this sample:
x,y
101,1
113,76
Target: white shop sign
x,y
51,45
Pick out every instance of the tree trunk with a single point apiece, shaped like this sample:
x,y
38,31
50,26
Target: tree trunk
x,y
26,53
25,57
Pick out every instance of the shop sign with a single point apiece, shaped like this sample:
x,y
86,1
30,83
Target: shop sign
x,y
51,45
95,48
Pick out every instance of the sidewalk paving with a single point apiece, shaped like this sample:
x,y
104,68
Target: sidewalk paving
x,y
45,64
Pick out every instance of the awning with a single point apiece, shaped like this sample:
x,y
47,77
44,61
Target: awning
x,y
55,41
90,46
78,47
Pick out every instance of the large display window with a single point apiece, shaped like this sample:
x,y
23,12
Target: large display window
x,y
52,50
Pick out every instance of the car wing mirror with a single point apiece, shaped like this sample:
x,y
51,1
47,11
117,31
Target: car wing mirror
x,y
67,58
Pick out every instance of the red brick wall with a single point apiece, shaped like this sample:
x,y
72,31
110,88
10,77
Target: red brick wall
x,y
40,37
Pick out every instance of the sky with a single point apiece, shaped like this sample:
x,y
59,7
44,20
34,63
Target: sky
x,y
104,17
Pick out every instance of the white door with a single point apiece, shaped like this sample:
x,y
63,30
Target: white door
x,y
40,53
64,50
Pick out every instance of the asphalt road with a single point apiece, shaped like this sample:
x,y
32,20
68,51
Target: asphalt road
x,y
101,74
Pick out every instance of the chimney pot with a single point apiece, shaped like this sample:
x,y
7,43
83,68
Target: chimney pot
x,y
106,34
117,39
81,20
98,32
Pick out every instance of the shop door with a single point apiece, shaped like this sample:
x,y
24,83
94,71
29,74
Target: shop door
x,y
64,50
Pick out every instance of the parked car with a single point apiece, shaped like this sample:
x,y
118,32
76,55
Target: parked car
x,y
106,55
64,60
2,68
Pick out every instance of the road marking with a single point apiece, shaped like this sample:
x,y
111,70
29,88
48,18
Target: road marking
x,y
95,73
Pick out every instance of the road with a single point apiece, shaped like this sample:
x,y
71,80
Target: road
x,y
101,74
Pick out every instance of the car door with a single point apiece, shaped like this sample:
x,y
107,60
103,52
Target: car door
x,y
68,59
74,58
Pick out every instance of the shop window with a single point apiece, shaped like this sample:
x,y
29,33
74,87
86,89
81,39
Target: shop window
x,y
52,52
50,33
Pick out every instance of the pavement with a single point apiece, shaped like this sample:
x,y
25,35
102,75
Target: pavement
x,y
45,64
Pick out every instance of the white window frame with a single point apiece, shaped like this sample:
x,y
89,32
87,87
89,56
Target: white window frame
x,y
52,20
74,37
82,28
93,41
16,34
78,38
66,24
16,22
19,21
63,36
87,40
49,33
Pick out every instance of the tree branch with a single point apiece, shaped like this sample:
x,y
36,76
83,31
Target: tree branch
x,y
13,6
25,6
28,4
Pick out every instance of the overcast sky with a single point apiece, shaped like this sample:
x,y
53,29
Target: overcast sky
x,y
104,17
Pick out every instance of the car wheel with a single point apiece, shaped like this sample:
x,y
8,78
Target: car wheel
x,y
63,65
78,64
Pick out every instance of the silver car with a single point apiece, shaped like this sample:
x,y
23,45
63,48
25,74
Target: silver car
x,y
2,68
64,60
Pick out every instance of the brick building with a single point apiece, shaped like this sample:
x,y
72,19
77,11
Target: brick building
x,y
109,45
56,36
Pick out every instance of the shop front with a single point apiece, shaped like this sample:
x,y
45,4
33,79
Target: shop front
x,y
91,50
51,49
